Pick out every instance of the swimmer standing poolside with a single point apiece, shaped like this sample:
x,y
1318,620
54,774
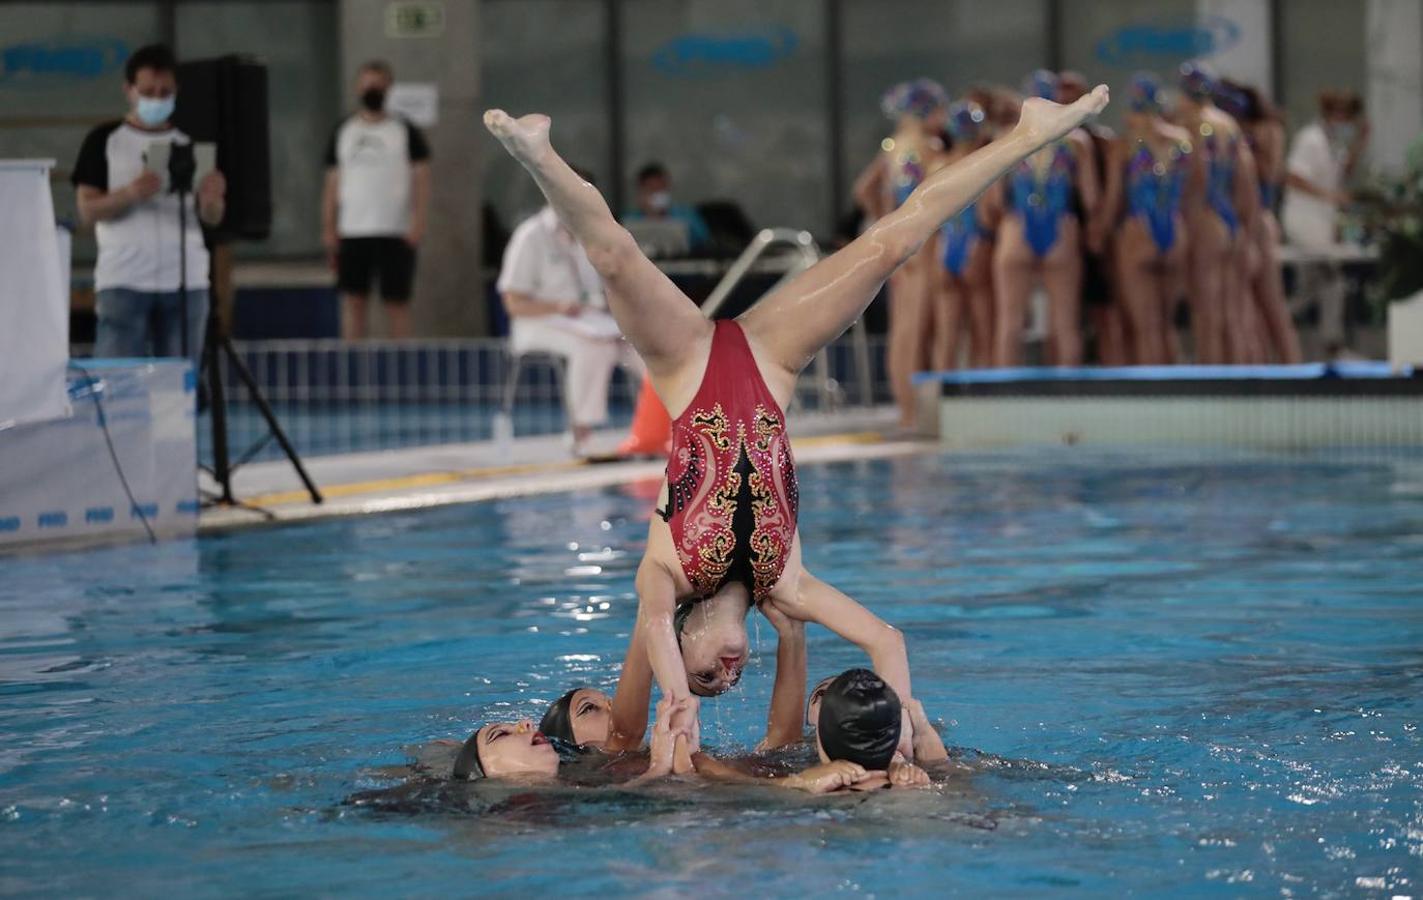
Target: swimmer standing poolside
x,y
727,535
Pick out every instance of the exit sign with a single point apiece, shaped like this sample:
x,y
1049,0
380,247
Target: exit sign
x,y
415,19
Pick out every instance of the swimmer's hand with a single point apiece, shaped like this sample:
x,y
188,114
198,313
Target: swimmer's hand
x,y
1041,122
662,759
907,775
827,777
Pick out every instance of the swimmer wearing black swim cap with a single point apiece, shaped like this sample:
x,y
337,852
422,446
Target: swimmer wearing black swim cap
x,y
860,720
580,718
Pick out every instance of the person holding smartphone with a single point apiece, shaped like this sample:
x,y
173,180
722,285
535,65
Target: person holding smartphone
x,y
136,221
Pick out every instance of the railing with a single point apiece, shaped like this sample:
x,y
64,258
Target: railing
x,y
332,396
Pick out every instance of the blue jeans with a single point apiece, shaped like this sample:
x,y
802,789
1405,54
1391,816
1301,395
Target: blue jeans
x,y
146,323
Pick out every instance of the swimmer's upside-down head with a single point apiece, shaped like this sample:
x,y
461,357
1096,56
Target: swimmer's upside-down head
x,y
712,636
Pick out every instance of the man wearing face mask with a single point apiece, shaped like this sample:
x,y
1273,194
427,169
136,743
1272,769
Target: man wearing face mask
x,y
654,201
136,222
374,204
1321,161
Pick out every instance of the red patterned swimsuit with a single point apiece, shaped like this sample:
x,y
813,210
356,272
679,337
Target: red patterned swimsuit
x,y
732,495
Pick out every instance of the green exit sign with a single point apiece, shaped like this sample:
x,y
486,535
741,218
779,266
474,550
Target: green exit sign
x,y
415,19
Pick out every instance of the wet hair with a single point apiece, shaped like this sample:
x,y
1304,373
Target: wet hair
x,y
467,765
379,67
558,718
917,98
650,171
152,56
860,719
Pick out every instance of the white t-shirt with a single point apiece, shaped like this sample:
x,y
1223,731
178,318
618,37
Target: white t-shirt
x,y
373,162
1308,220
545,262
139,250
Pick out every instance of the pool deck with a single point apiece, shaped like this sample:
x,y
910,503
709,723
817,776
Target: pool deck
x,y
415,478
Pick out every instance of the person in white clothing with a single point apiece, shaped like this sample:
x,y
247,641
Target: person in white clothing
x,y
555,304
1321,161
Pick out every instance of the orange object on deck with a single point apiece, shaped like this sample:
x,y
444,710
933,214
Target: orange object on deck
x,y
651,432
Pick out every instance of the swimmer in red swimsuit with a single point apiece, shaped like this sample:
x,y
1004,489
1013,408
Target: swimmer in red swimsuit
x,y
726,538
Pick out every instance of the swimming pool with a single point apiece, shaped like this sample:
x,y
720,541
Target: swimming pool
x,y
1196,676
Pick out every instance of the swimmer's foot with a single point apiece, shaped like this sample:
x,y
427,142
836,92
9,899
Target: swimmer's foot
x,y
1044,121
526,138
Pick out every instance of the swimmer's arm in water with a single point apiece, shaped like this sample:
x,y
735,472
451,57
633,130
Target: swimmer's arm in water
x,y
821,779
928,746
785,724
654,636
815,601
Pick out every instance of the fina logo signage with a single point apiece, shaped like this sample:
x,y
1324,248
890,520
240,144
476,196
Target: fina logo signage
x,y
696,55
1147,42
60,61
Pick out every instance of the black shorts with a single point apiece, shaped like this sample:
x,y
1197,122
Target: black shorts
x,y
364,260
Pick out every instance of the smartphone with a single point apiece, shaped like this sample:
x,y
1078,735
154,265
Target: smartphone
x,y
155,160
205,160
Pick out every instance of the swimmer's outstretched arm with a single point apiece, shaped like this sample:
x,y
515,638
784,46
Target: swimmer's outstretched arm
x,y
634,691
659,320
785,723
812,600
812,309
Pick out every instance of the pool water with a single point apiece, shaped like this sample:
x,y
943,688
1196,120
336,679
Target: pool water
x,y
1185,676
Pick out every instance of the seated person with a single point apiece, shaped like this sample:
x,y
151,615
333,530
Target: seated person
x,y
654,201
555,304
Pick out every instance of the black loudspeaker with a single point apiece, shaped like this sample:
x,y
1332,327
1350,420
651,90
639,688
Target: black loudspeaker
x,y
224,101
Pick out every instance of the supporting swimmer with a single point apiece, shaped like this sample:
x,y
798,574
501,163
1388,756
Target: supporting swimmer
x,y
860,721
579,718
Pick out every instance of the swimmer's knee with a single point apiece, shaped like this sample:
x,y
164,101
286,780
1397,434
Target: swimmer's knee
x,y
611,256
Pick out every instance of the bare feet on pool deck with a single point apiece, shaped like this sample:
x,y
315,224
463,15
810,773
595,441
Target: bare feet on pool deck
x,y
526,138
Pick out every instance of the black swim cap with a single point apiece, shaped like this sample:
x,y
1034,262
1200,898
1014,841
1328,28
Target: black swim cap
x,y
557,721
467,764
860,719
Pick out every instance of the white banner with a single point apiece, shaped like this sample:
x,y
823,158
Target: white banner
x,y
34,308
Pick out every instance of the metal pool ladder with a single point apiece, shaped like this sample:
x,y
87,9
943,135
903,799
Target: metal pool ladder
x,y
806,254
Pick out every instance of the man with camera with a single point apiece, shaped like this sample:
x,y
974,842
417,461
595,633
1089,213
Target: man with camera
x,y
127,198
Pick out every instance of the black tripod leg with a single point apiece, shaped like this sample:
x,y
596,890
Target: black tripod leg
x,y
217,405
247,379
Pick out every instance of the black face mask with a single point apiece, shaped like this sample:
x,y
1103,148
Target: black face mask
x,y
373,99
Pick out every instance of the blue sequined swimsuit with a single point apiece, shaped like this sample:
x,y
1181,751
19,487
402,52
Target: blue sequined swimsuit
x,y
960,233
1154,192
1043,202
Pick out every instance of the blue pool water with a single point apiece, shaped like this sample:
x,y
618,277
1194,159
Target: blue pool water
x,y
1200,678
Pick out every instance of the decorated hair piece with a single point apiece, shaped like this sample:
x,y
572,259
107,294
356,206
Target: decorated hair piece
x,y
965,120
918,98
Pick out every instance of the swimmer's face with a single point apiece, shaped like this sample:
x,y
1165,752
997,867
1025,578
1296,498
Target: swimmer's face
x,y
714,649
812,708
591,713
513,749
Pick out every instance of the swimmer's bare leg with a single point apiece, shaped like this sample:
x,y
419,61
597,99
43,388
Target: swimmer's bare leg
x,y
794,323
660,321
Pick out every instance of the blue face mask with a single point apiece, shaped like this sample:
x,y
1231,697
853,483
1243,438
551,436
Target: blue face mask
x,y
154,111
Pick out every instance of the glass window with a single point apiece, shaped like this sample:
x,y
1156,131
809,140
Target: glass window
x,y
547,56
956,43
1321,46
297,41
61,74
730,95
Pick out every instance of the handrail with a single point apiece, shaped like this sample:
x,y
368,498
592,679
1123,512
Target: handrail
x,y
807,255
